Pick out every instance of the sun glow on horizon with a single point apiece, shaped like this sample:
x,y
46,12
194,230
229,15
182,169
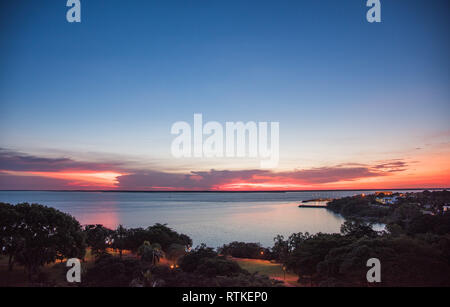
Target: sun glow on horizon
x,y
79,178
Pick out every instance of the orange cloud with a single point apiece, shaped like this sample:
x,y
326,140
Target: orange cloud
x,y
424,170
106,179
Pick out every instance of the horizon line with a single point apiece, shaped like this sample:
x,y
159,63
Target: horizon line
x,y
225,191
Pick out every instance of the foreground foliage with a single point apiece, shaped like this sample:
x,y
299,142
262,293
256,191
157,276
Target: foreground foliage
x,y
34,235
200,268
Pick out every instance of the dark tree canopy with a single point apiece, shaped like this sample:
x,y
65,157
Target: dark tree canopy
x,y
40,235
243,250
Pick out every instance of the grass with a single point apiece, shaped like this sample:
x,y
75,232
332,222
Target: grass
x,y
271,269
55,273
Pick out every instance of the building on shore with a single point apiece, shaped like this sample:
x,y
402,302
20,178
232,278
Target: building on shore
x,y
385,193
387,200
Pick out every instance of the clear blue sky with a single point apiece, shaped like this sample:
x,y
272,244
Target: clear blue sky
x,y
343,90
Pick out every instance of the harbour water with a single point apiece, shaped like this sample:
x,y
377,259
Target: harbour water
x,y
211,218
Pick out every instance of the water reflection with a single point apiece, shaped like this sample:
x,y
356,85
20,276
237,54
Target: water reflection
x,y
105,213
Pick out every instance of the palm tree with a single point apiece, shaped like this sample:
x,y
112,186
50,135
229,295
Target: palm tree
x,y
150,252
119,239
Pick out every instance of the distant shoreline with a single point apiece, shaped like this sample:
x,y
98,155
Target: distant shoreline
x,y
208,191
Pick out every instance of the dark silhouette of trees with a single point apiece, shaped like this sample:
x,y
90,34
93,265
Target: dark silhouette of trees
x,y
416,256
10,240
99,238
405,262
280,249
359,207
243,250
191,260
132,239
175,251
358,229
119,239
34,235
110,271
150,253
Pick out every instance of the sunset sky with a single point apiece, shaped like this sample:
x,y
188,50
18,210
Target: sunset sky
x,y
91,105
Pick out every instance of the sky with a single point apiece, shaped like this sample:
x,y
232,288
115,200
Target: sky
x,y
90,105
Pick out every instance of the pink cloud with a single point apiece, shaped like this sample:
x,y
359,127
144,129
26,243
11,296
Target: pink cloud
x,y
16,161
21,171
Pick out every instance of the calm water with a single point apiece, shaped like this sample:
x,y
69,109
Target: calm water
x,y
211,218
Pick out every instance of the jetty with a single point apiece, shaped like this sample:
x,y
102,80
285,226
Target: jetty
x,y
312,206
316,200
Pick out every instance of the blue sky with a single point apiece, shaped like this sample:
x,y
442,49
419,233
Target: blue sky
x,y
109,88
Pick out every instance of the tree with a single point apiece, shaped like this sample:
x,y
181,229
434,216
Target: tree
x,y
44,235
304,259
358,229
10,241
98,238
280,249
165,236
110,271
438,224
218,266
191,260
162,234
176,251
296,239
405,261
135,238
150,252
242,250
119,239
